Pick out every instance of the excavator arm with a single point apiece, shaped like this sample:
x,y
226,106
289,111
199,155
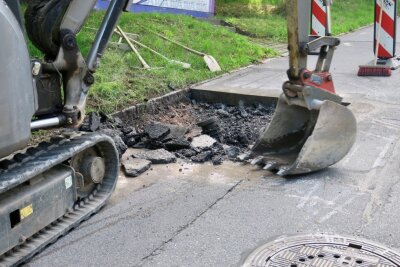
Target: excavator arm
x,y
52,26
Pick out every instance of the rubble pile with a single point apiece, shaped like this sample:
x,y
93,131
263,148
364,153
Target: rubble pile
x,y
199,132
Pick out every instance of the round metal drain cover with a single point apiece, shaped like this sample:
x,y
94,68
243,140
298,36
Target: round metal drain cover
x,y
322,251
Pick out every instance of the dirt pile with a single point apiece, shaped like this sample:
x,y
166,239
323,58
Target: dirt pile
x,y
198,132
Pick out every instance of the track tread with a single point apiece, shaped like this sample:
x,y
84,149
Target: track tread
x,y
39,162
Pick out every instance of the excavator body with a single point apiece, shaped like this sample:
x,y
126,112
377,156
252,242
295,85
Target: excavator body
x,y
48,189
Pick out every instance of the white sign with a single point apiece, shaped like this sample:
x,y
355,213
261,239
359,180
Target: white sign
x,y
194,5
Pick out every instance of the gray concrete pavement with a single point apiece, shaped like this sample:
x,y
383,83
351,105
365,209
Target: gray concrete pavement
x,y
194,215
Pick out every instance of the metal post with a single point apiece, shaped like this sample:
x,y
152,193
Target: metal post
x,y
105,32
47,123
328,19
298,14
76,15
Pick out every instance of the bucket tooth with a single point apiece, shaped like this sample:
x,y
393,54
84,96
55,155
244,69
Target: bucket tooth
x,y
284,170
244,156
258,161
271,166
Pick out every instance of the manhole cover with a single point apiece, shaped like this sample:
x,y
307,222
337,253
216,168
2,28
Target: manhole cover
x,y
323,251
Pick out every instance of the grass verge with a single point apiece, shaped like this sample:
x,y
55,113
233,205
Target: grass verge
x,y
260,20
120,81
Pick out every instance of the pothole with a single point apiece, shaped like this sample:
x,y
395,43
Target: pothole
x,y
322,251
194,131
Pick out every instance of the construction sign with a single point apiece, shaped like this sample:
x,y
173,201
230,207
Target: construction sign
x,y
318,18
196,8
387,30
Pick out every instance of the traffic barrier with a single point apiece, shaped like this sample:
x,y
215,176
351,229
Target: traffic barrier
x,y
386,32
319,21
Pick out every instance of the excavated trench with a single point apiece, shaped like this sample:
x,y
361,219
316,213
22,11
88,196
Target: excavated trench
x,y
194,131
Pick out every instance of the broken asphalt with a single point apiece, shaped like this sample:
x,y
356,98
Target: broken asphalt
x,y
202,215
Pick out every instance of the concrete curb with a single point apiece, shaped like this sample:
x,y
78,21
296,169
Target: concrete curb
x,y
151,106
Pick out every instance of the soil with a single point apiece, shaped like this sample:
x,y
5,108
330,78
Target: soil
x,y
235,129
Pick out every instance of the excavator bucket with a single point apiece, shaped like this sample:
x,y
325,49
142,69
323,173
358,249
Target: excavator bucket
x,y
299,140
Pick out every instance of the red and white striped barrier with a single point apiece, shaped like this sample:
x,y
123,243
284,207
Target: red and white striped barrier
x,y
318,18
387,40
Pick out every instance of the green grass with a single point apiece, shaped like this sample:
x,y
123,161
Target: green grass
x,y
250,2
351,15
347,15
120,81
248,8
271,26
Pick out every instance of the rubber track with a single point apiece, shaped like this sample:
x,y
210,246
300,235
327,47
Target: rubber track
x,y
45,156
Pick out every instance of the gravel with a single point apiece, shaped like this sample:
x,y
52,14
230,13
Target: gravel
x,y
156,131
133,167
158,156
199,132
203,141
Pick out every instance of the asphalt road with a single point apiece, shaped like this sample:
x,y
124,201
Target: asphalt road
x,y
215,216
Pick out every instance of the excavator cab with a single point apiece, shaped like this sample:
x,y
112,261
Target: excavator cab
x,y
17,95
311,128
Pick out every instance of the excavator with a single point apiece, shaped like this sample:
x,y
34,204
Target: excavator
x,y
49,189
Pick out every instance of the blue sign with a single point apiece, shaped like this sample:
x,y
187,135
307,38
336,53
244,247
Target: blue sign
x,y
196,8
